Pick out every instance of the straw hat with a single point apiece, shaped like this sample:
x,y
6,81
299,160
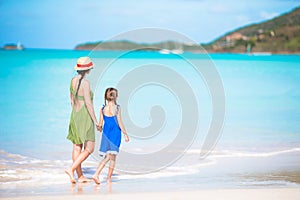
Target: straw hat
x,y
84,63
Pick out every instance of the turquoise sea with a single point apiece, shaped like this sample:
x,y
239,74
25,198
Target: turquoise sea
x,y
259,145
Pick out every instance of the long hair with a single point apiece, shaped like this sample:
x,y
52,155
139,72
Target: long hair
x,y
111,94
82,73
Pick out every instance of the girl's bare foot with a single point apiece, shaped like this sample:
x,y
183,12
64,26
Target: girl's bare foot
x,y
82,179
108,180
96,179
70,173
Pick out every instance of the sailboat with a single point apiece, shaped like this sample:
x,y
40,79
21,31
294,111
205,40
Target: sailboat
x,y
19,46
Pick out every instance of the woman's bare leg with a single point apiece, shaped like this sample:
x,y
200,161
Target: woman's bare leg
x,y
99,169
77,148
76,151
88,149
111,167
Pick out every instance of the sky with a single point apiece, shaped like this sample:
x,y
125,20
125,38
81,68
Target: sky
x,y
62,24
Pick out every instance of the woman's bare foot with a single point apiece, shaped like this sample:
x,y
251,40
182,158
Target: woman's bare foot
x,y
70,173
96,179
82,179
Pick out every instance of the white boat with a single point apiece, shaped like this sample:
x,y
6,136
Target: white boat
x,y
178,48
177,51
165,51
261,53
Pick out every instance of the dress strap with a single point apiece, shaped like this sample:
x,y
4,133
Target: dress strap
x,y
117,111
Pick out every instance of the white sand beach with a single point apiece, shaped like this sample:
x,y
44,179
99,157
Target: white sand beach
x,y
232,194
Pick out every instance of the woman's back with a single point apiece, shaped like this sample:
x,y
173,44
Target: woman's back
x,y
78,100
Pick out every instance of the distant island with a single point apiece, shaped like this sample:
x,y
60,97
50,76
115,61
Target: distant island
x,y
164,47
12,46
280,35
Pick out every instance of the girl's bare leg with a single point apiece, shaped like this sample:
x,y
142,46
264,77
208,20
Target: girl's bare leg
x,y
99,169
88,149
111,167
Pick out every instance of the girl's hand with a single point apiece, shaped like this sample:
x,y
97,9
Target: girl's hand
x,y
126,138
99,128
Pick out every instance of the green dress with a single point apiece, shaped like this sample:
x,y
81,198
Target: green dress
x,y
81,127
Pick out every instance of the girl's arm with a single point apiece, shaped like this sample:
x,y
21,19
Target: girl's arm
x,y
120,122
88,101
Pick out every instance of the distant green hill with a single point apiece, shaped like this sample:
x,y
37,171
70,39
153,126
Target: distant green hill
x,y
125,45
278,35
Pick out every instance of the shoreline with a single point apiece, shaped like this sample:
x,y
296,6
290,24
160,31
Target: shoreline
x,y
240,171
194,52
200,52
245,194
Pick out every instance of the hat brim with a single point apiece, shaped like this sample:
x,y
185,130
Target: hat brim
x,y
82,68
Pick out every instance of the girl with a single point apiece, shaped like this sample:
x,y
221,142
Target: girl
x,y
111,136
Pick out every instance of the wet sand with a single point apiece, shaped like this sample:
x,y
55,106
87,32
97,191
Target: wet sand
x,y
232,194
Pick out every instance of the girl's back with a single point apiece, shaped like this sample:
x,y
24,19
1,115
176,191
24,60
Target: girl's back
x,y
111,126
110,110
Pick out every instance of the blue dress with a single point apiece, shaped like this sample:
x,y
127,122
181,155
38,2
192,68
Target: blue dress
x,y
111,135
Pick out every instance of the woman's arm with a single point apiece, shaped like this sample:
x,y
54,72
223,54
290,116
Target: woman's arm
x,y
71,95
87,100
100,121
71,99
120,122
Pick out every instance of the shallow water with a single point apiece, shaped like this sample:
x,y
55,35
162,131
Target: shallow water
x,y
261,124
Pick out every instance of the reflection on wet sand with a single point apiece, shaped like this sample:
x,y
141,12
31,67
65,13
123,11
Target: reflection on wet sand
x,y
85,188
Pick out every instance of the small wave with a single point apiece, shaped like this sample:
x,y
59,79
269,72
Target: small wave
x,y
179,169
18,169
30,170
6,155
258,154
232,153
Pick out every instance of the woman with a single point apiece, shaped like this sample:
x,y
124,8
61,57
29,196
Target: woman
x,y
81,128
